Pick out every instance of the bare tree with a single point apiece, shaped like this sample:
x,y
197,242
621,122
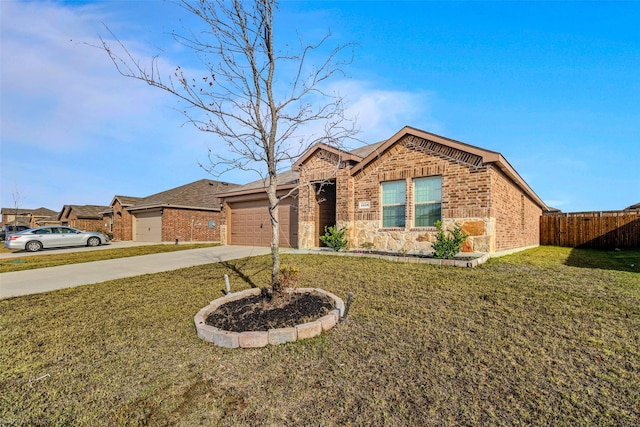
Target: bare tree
x,y
15,195
262,102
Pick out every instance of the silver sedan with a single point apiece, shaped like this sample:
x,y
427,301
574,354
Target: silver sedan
x,y
52,237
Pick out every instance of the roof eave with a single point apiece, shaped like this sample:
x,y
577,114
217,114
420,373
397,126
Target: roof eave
x,y
288,186
168,205
508,170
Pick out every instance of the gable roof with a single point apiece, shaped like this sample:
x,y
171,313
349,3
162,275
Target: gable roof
x,y
82,211
202,194
487,156
127,200
43,212
36,212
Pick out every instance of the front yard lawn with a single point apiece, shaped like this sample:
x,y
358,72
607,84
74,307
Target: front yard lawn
x,y
528,339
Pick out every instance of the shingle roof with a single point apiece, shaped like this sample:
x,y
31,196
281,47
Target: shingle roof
x,y
198,194
367,149
22,212
83,211
14,211
633,207
43,212
285,179
129,200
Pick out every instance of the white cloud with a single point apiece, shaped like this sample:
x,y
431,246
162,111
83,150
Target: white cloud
x,y
89,133
59,92
381,113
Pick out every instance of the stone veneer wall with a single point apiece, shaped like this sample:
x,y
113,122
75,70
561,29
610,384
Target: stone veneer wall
x,y
480,230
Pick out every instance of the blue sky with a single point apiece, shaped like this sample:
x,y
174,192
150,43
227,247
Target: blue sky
x,y
553,86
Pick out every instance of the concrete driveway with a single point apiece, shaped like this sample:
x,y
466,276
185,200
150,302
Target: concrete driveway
x,y
28,282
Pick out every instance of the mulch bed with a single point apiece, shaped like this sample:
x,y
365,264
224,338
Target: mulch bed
x,y
259,313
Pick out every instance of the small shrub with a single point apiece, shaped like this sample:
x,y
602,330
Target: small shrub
x,y
448,246
289,276
334,238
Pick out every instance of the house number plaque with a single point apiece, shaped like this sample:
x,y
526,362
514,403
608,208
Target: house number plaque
x,y
364,205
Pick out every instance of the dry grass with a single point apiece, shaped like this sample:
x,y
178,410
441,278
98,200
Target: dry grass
x,y
53,259
529,339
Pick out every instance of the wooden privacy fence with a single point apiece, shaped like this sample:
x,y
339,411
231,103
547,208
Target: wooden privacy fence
x,y
598,230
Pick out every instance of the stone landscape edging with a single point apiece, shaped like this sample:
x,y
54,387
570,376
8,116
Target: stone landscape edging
x,y
413,259
257,339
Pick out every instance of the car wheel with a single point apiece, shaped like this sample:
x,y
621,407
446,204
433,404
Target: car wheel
x,y
33,246
93,241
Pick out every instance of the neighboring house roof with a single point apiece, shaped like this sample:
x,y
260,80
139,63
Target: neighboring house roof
x,y
43,212
14,211
202,194
37,212
27,215
127,200
82,211
633,207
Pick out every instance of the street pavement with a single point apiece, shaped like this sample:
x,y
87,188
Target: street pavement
x,y
34,281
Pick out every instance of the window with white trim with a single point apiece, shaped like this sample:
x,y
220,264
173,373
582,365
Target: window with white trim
x,y
427,201
394,201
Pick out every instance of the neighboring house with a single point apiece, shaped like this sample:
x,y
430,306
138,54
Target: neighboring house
x,y
187,213
28,217
118,219
83,217
390,194
633,207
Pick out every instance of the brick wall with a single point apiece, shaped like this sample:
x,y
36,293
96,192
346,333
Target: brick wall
x,y
322,166
84,224
517,216
465,180
190,225
122,223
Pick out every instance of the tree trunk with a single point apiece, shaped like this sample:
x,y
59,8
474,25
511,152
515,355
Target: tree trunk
x,y
275,235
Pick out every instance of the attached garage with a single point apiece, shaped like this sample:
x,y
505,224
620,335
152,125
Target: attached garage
x,y
249,223
148,226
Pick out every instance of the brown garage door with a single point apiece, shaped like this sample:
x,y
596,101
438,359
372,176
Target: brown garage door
x,y
250,225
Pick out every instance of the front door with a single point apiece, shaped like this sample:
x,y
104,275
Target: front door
x,y
325,208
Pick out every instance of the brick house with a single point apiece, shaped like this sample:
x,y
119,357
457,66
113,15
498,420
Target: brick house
x,y
29,217
188,213
390,194
82,217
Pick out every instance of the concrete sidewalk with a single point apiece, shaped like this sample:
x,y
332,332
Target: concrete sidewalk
x,y
28,282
